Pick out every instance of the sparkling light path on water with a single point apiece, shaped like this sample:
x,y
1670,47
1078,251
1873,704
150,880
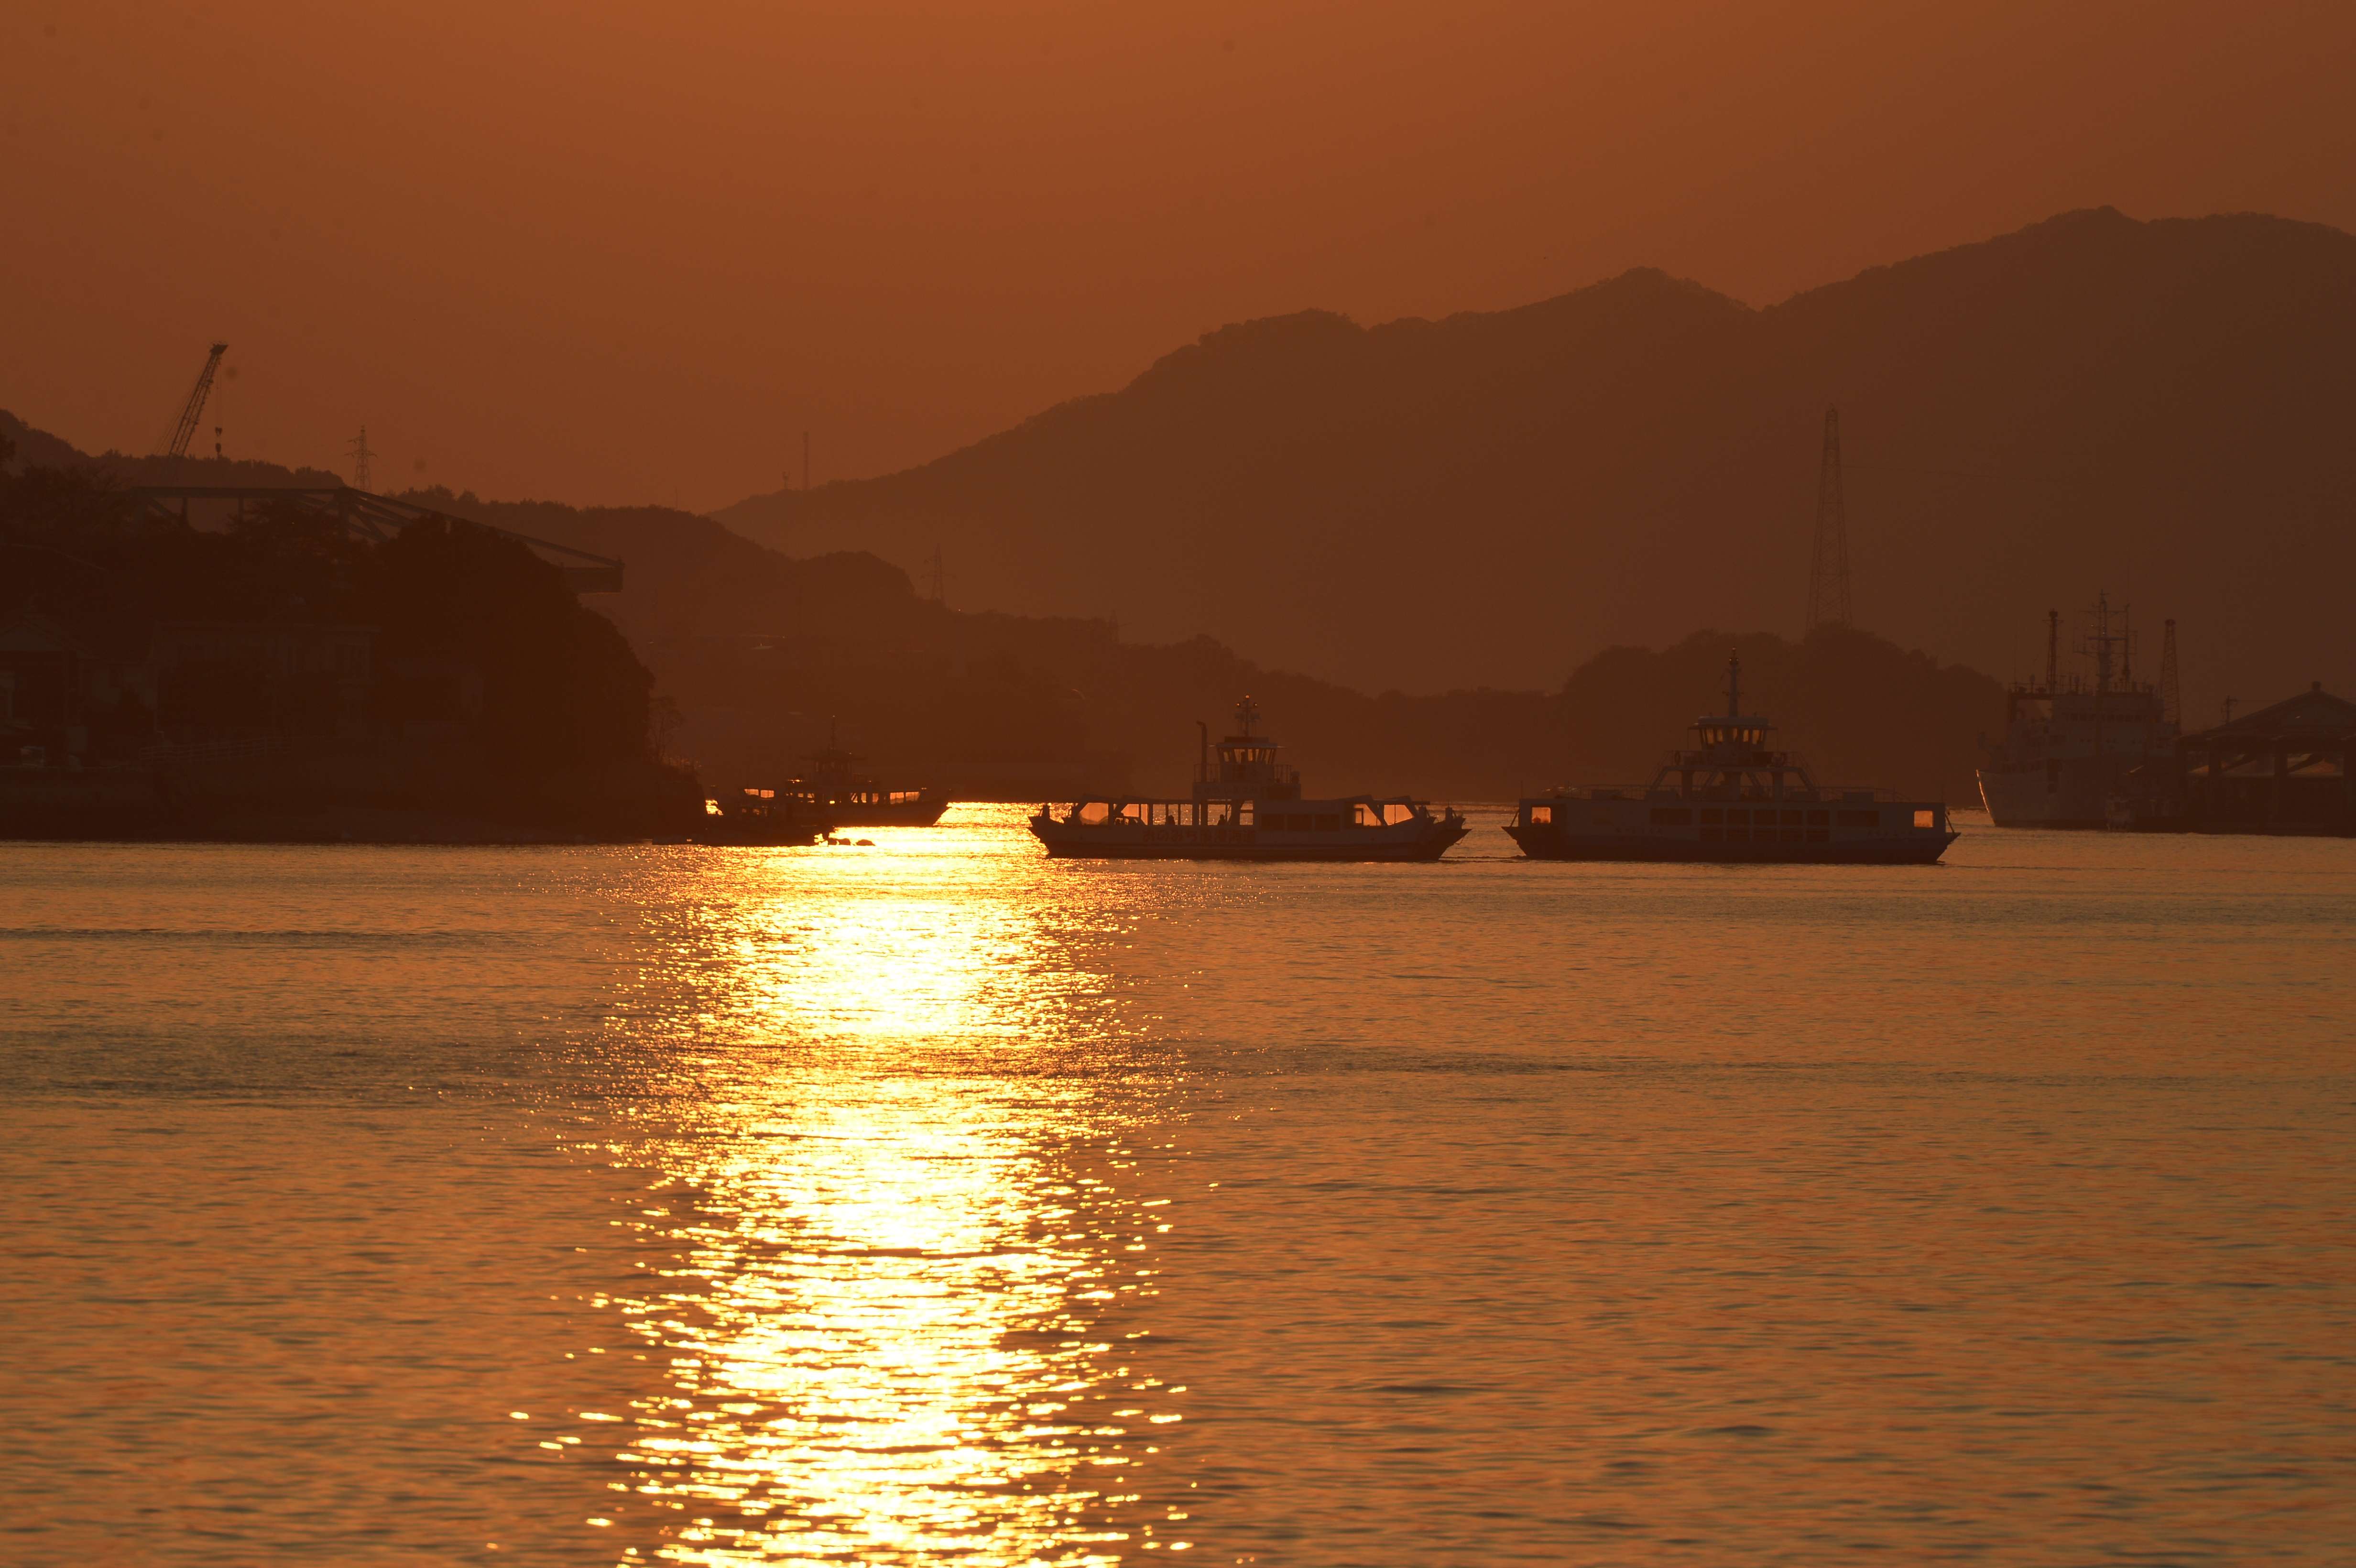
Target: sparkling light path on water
x,y
902,1324
932,1202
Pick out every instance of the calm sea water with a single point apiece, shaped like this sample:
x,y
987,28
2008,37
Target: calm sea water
x,y
929,1202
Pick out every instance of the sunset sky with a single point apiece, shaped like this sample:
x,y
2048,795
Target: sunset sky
x,y
616,251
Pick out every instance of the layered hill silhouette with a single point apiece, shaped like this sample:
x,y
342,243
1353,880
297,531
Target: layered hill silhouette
x,y
2160,410
766,657
759,657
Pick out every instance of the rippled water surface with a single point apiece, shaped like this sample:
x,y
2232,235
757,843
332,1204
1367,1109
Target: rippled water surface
x,y
929,1202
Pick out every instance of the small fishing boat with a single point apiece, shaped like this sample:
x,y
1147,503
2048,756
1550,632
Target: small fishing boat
x,y
1247,805
1732,799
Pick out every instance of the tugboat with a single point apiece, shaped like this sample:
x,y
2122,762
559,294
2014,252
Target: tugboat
x,y
1732,800
1247,805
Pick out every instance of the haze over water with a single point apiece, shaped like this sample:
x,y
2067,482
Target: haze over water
x,y
934,1202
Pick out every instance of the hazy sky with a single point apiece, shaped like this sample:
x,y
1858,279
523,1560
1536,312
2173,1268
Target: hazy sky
x,y
629,249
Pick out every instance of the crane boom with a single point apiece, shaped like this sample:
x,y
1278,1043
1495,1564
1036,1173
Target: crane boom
x,y
186,428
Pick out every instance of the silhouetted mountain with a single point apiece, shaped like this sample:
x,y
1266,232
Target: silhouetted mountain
x,y
758,656
762,655
2159,408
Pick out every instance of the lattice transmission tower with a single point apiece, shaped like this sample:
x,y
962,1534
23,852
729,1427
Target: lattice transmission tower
x,y
360,455
1828,566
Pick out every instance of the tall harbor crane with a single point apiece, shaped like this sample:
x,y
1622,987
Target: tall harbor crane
x,y
186,429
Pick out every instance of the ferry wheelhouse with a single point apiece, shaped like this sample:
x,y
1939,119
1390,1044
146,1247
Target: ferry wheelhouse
x,y
1732,799
1247,805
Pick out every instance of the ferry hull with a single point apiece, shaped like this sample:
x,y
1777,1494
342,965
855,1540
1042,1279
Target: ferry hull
x,y
757,833
1408,843
1549,842
908,814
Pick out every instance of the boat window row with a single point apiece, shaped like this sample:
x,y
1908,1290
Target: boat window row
x,y
1239,814
1735,816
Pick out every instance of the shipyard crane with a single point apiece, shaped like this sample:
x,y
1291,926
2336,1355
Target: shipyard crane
x,y
186,428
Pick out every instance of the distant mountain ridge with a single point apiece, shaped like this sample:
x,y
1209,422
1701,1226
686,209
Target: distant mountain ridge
x,y
2156,409
761,657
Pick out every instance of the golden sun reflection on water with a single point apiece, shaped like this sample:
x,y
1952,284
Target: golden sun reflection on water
x,y
905,1309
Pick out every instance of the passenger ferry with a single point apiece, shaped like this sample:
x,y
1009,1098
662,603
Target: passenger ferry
x,y
1732,800
1247,805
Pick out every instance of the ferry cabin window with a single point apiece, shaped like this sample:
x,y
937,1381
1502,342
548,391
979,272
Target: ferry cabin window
x,y
1738,818
1820,819
1926,819
1795,818
1395,812
1091,812
1712,816
1671,816
1540,815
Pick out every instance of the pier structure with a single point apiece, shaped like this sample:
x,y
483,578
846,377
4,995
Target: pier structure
x,y
2283,769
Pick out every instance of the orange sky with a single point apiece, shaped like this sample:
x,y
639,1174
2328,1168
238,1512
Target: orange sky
x,y
627,250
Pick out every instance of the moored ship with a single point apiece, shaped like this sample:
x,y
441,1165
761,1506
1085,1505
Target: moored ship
x,y
1732,799
1247,805
2069,747
832,789
756,816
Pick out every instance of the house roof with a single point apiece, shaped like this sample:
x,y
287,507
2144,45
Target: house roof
x,y
2314,717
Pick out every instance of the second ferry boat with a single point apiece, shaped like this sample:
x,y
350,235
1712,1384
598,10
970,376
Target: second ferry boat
x,y
1247,805
1732,799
